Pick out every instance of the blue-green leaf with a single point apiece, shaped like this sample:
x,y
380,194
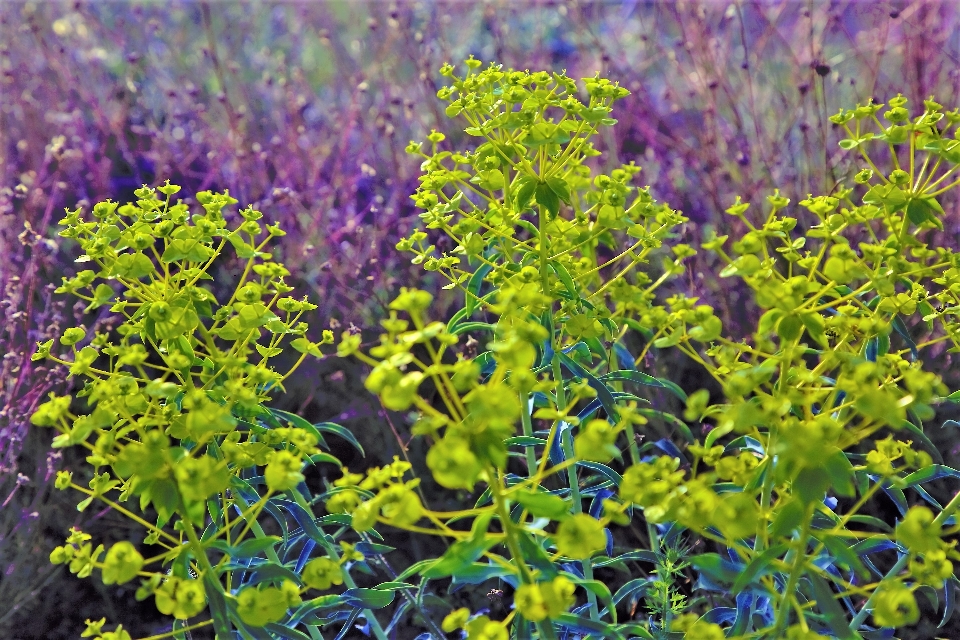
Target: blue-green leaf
x,y
918,432
717,568
928,474
757,566
472,293
830,608
367,598
524,441
901,329
465,327
285,632
457,558
646,379
581,624
603,393
300,423
603,470
343,432
218,606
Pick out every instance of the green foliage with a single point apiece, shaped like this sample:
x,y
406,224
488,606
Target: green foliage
x,y
557,263
175,415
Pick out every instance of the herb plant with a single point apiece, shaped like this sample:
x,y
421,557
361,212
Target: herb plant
x,y
557,263
563,270
176,418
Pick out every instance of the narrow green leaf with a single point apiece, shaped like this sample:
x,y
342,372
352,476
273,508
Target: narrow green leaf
x,y
471,295
565,278
928,474
757,566
456,558
300,423
254,546
581,624
646,379
717,568
367,598
918,432
598,589
828,605
466,327
525,441
840,471
218,606
603,470
344,433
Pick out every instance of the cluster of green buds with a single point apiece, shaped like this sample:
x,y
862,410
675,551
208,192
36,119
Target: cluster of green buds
x,y
525,205
177,391
832,364
390,497
840,284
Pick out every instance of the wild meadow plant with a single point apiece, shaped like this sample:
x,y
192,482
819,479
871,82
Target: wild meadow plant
x,y
542,434
560,274
176,399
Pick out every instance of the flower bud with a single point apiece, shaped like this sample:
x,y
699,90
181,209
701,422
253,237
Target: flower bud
x,y
72,336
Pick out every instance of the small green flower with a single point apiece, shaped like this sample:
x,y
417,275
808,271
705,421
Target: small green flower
x,y
72,336
122,563
453,464
651,485
596,441
895,607
413,301
259,606
322,573
931,569
529,602
43,350
117,634
917,531
181,598
94,628
283,471
455,620
400,504
61,555
797,632
693,628
483,628
49,413
580,536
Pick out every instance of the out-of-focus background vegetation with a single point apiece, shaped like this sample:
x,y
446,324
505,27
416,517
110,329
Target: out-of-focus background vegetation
x,y
303,110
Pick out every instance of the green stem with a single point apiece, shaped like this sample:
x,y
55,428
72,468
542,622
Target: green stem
x,y
509,532
799,559
220,625
868,605
566,443
528,431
